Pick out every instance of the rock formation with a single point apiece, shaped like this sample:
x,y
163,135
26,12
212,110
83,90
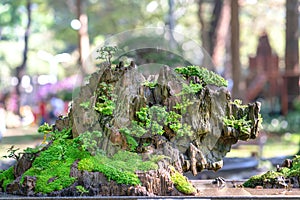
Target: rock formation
x,y
158,115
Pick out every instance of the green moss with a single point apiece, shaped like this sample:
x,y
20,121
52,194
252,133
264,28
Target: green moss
x,y
149,84
259,180
120,168
52,167
206,77
181,183
6,177
254,181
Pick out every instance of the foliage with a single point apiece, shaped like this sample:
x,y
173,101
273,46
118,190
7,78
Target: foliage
x,y
131,142
241,125
85,105
106,53
150,84
120,168
61,135
238,103
105,99
181,182
81,189
206,76
6,177
45,128
182,107
192,88
12,153
90,141
153,119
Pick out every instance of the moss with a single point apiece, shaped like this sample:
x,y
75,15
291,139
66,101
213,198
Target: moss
x,y
6,177
295,169
259,180
270,175
206,77
181,183
52,167
120,168
254,181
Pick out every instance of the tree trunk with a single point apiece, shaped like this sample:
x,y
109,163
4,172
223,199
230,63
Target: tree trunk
x,y
235,46
20,70
221,35
83,38
171,22
292,52
215,18
204,28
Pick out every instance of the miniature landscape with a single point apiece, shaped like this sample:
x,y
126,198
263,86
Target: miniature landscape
x,y
131,135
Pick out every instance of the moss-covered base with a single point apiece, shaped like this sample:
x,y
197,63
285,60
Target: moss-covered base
x,y
288,175
63,165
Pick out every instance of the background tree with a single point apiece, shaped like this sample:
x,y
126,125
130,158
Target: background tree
x,y
292,71
235,48
20,70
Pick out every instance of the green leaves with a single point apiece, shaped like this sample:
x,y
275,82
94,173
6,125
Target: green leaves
x,y
105,99
85,105
106,53
149,84
153,119
45,128
90,141
241,125
12,153
131,142
205,76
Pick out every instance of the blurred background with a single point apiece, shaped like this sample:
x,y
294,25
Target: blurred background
x,y
253,43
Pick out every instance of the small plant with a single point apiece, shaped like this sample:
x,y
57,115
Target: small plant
x,y
192,88
90,141
106,53
12,153
85,105
238,103
45,129
149,84
131,142
81,189
182,107
241,125
153,119
105,99
206,77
